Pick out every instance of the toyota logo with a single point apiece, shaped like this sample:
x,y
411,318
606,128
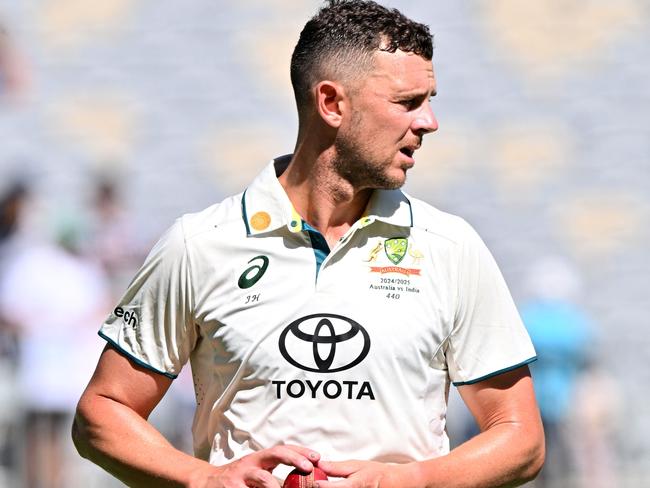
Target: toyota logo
x,y
324,343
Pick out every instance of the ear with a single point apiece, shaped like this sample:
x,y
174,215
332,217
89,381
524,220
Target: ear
x,y
330,102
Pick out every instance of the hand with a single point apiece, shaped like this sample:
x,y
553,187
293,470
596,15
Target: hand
x,y
368,474
254,470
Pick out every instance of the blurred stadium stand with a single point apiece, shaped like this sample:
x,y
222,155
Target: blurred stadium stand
x,y
544,146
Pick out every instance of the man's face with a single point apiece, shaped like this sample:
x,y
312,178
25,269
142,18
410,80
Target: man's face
x,y
389,115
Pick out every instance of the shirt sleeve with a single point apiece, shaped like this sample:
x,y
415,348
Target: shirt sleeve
x,y
488,337
153,323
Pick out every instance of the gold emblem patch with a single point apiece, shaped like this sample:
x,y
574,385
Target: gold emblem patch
x,y
260,221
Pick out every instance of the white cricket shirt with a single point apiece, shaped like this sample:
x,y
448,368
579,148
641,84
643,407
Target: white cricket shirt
x,y
348,351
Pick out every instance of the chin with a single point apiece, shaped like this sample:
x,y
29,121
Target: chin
x,y
400,175
394,183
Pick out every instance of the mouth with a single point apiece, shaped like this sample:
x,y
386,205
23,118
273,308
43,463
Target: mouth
x,y
409,150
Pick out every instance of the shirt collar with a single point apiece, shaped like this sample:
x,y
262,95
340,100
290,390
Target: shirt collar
x,y
389,206
266,206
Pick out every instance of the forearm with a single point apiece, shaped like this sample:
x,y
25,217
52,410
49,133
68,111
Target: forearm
x,y
123,443
507,454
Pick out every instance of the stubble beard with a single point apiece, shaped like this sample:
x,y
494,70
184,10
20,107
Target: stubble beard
x,y
352,163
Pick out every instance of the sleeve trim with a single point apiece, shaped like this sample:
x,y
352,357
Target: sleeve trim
x,y
496,373
130,356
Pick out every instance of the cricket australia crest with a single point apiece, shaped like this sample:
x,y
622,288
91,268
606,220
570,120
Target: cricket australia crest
x,y
396,249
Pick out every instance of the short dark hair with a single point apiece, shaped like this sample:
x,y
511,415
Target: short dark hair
x,y
342,37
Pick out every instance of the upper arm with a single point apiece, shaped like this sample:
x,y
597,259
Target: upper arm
x,y
505,398
119,379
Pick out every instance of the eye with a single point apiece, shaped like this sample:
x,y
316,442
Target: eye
x,y
411,104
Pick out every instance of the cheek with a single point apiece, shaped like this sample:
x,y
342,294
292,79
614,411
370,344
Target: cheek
x,y
395,123
379,129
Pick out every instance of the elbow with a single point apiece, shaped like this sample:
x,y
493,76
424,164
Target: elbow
x,y
534,466
535,455
80,432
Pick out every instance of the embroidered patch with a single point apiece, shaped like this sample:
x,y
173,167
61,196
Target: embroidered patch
x,y
260,221
396,249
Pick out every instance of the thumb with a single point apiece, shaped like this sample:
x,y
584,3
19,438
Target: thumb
x,y
341,469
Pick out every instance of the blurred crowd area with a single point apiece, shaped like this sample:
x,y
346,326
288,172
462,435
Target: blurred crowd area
x,y
117,117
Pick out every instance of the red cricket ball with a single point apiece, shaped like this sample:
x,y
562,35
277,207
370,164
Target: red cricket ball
x,y
298,479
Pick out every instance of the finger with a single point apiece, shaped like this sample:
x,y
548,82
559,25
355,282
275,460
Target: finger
x,y
339,469
346,483
270,458
310,454
260,478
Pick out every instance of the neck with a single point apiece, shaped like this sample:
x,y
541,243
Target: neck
x,y
323,198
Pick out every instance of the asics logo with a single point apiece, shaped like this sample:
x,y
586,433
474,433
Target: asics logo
x,y
253,273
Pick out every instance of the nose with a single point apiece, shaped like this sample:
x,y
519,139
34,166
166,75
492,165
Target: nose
x,y
425,121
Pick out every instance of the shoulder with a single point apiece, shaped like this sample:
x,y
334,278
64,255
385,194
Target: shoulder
x,y
225,214
198,229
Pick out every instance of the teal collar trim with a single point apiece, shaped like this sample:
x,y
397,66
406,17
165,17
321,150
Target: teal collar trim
x,y
318,244
244,214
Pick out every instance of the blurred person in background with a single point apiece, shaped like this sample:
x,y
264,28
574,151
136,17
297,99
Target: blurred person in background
x,y
12,205
49,293
563,336
311,238
594,435
112,236
13,73
13,201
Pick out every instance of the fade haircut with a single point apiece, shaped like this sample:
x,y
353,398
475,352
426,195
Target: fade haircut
x,y
339,41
